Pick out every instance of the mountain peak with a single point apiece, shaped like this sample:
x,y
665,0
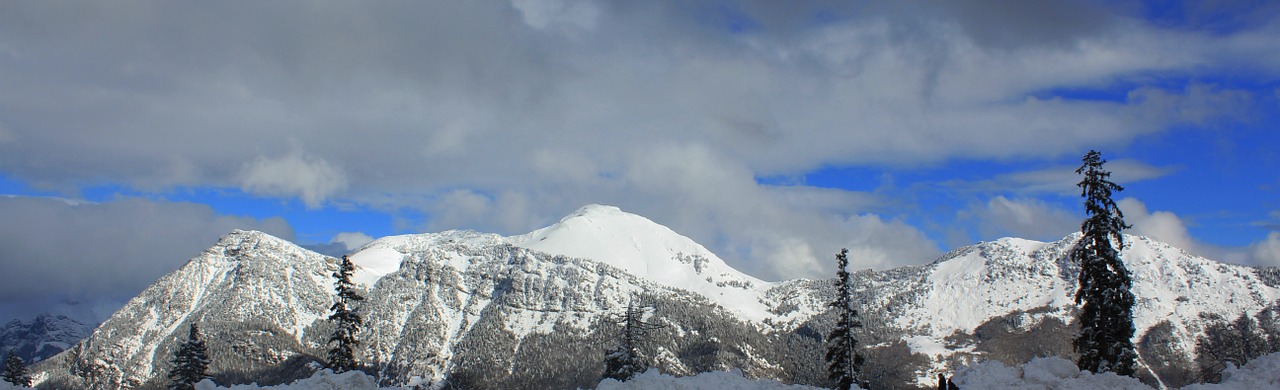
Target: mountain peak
x,y
615,237
646,249
596,209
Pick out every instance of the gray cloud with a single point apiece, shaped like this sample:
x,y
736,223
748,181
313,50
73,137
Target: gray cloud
x,y
505,116
97,255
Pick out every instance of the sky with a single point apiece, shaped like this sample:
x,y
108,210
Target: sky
x,y
133,134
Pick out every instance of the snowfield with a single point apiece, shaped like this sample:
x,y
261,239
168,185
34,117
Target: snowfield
x,y
728,380
1054,373
651,379
1039,374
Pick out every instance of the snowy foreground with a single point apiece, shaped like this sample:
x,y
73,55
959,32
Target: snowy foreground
x,y
1038,374
1061,374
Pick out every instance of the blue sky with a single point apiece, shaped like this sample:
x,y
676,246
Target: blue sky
x,y
133,135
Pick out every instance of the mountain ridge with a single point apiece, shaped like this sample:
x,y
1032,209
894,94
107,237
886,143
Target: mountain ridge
x,y
444,306
42,337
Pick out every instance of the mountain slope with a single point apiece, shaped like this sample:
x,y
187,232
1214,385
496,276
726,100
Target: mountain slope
x,y
1021,284
254,296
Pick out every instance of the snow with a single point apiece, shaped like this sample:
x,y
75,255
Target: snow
x,y
374,263
1051,373
650,251
1013,275
322,380
651,379
1260,373
1041,374
1061,374
969,290
728,380
927,346
960,293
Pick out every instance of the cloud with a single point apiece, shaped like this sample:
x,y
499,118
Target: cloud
x,y
504,116
1062,180
311,179
1161,226
1023,218
351,240
453,99
1267,251
567,15
1167,227
1198,104
100,254
771,232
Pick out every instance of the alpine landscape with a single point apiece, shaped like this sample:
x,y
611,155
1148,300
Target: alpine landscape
x,y
478,310
626,195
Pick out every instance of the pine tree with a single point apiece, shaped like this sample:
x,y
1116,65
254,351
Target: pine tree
x,y
15,371
190,362
845,363
1106,316
622,362
347,322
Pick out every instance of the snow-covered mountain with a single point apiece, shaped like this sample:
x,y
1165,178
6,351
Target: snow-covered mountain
x,y
534,310
650,251
44,336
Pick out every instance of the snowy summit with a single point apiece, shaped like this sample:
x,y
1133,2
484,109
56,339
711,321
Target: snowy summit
x,y
648,250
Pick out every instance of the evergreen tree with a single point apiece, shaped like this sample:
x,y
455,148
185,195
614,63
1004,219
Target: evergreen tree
x,y
1106,316
347,322
15,371
622,362
845,363
190,362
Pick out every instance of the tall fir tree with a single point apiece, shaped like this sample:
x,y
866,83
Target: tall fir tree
x,y
15,371
346,321
623,362
190,362
1106,314
844,361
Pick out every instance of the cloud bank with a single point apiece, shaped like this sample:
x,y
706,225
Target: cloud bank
x,y
505,116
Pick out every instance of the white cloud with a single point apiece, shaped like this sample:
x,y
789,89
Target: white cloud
x,y
1162,226
1267,251
311,179
351,240
880,244
101,254
1167,227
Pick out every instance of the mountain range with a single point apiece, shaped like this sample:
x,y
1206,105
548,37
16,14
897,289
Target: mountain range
x,y
475,310
41,338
